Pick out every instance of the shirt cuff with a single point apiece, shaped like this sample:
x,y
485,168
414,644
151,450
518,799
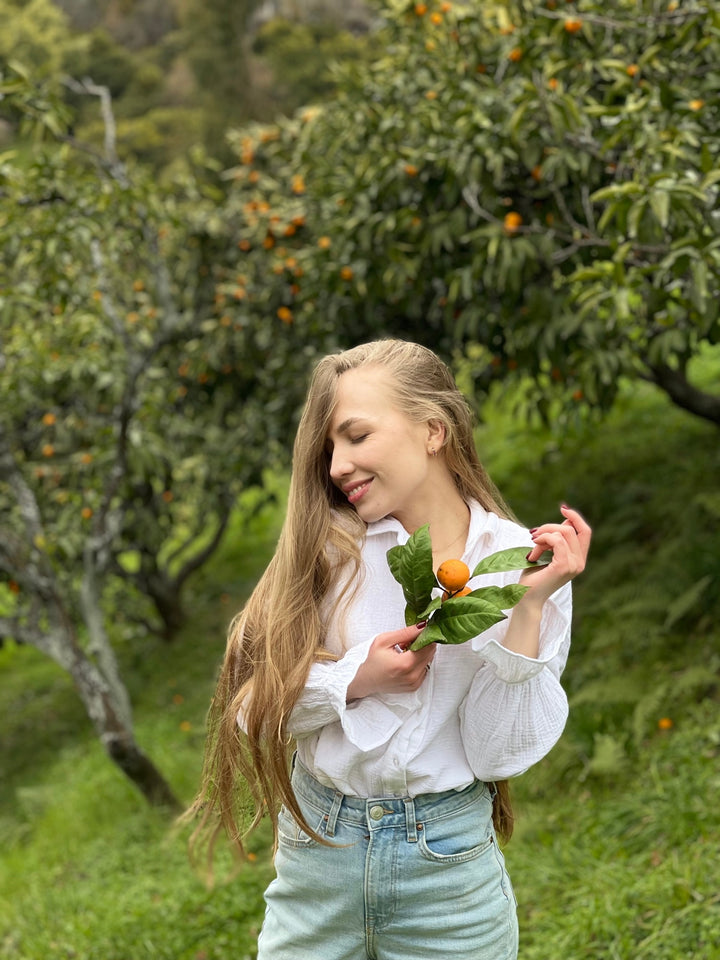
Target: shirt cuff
x,y
512,667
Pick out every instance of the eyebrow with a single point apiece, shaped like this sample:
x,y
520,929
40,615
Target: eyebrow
x,y
346,424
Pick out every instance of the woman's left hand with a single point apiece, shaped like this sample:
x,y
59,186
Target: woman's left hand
x,y
569,542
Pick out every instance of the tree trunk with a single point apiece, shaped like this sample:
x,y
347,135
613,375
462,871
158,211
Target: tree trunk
x,y
108,715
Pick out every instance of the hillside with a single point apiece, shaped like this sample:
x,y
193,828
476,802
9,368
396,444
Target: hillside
x,y
615,851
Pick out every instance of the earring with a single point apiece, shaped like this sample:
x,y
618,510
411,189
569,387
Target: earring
x,y
433,452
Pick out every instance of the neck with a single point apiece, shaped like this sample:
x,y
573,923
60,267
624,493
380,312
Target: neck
x,y
449,519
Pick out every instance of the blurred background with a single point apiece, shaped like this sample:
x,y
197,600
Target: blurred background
x,y
198,198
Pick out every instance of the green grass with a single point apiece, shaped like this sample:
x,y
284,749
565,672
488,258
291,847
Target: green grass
x,y
615,852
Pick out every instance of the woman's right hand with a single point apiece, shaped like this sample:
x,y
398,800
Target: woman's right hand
x,y
388,669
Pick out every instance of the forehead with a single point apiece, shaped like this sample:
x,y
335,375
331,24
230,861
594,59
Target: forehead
x,y
365,392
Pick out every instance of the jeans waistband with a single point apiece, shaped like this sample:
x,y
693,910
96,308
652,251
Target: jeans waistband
x,y
376,813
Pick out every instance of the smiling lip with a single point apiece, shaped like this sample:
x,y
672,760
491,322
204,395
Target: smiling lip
x,y
354,491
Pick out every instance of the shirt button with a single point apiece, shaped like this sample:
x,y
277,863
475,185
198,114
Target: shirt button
x,y
376,813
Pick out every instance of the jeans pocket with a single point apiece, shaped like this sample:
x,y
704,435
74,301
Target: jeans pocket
x,y
292,834
454,839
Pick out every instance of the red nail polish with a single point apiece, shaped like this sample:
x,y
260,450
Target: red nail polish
x,y
533,529
421,625
527,556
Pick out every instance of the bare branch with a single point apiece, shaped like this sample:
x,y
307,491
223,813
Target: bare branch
x,y
87,86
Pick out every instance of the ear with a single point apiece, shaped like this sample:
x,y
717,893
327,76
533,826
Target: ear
x,y
435,434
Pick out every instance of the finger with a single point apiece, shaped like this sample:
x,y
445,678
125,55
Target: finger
x,y
577,521
567,550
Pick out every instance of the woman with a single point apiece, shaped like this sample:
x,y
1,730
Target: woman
x,y
386,838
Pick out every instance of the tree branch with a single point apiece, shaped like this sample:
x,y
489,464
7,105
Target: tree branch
x,y
683,393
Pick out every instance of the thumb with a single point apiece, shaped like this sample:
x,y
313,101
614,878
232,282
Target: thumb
x,y
409,635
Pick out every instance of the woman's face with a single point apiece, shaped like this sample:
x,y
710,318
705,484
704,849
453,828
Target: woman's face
x,y
379,458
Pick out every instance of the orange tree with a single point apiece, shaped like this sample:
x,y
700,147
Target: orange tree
x,y
133,409
539,179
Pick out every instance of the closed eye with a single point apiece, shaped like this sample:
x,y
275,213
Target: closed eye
x,y
360,439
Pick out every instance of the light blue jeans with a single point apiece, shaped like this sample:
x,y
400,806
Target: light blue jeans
x,y
410,879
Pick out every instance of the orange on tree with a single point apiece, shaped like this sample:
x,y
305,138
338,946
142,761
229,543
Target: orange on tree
x,y
453,575
573,25
512,221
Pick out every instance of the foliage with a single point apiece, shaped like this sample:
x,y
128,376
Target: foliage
x,y
35,33
302,58
538,180
133,410
217,51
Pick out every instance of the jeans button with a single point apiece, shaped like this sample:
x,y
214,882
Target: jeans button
x,y
376,813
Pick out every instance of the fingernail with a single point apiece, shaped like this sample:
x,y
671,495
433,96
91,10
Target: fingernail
x,y
527,556
421,625
564,506
533,529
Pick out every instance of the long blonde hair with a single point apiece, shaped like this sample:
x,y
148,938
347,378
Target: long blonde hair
x,y
275,639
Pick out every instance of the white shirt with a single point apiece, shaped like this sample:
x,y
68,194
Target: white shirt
x,y
482,712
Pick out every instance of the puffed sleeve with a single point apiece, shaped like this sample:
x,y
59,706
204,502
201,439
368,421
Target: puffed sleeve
x,y
367,723
516,709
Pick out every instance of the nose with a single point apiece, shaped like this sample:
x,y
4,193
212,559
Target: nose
x,y
340,465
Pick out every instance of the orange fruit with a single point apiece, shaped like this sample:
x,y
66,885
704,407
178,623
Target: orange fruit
x,y
632,69
512,221
458,593
515,54
573,25
453,575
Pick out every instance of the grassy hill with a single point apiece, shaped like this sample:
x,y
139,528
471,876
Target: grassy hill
x,y
615,853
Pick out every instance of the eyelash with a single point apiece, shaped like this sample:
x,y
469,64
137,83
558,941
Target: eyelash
x,y
359,439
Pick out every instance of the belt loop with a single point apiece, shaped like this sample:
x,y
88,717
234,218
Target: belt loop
x,y
333,815
410,821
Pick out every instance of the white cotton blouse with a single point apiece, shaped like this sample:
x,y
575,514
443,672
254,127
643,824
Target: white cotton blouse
x,y
482,712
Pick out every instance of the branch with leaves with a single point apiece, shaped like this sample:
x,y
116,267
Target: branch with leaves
x,y
461,614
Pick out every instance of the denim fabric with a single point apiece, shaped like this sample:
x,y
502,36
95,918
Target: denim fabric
x,y
405,879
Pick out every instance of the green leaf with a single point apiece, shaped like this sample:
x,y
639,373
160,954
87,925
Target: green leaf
x,y
411,565
502,597
514,558
429,610
431,634
463,618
